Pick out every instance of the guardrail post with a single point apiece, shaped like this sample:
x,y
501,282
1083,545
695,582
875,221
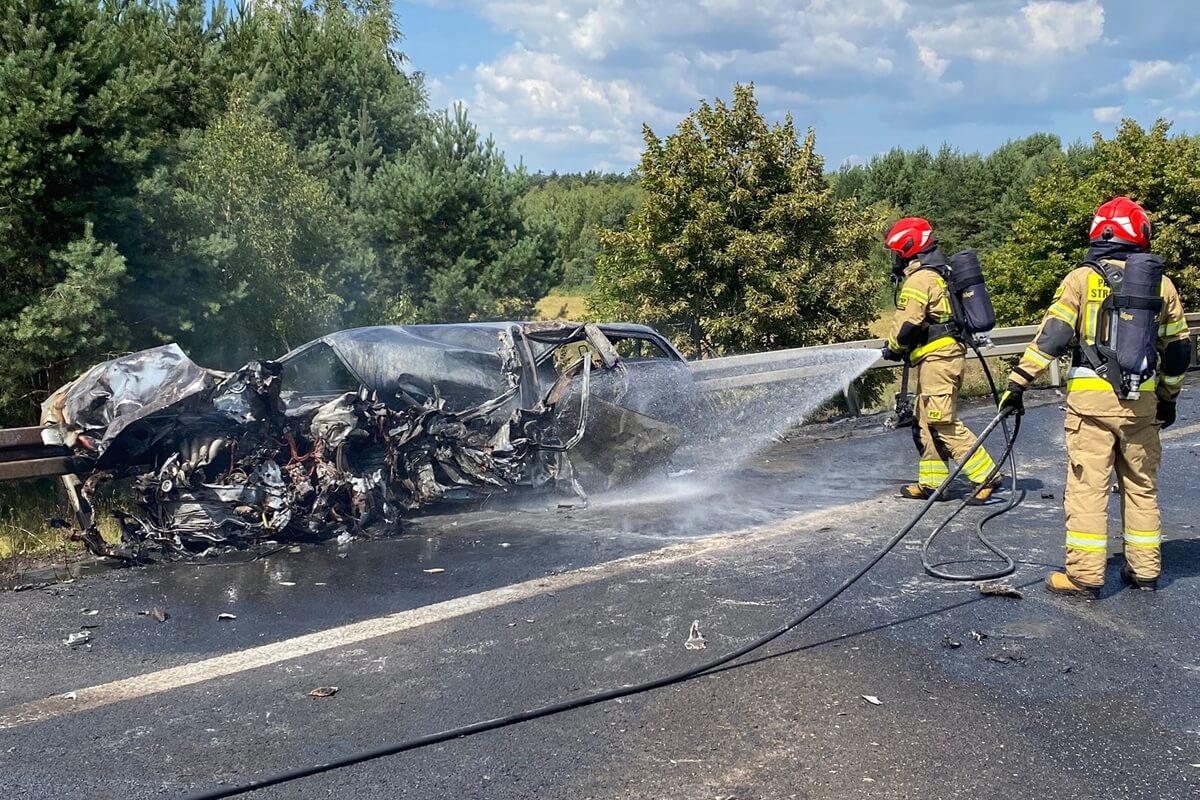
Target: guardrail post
x,y
852,401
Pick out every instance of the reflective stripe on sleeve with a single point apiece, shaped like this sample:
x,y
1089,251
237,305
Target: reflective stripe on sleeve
x,y
1037,356
1065,313
915,294
1173,328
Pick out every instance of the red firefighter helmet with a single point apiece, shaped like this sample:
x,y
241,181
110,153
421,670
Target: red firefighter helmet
x,y
1121,220
909,236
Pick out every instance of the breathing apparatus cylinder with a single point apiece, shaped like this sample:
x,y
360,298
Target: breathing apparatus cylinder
x,y
974,312
1129,324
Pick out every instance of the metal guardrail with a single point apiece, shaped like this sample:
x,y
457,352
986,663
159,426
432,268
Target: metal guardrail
x,y
23,455
753,369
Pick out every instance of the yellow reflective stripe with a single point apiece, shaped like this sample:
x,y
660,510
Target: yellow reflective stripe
x,y
1089,384
1173,328
915,294
1143,538
1089,330
1172,380
1065,313
932,473
1088,542
1037,356
979,467
937,344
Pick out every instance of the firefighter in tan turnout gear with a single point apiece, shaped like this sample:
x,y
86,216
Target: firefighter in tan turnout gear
x,y
924,334
1123,323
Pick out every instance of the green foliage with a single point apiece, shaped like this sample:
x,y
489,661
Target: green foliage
x,y
81,105
229,178
1160,171
448,222
67,327
578,208
329,75
971,199
245,240
739,244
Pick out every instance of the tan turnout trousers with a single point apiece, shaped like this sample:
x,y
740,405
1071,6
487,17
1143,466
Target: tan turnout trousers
x,y
938,363
939,434
1096,447
1105,433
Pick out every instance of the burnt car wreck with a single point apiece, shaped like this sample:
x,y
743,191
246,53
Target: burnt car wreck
x,y
348,433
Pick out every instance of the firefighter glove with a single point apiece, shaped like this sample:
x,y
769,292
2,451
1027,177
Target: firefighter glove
x,y
888,354
1013,398
1166,413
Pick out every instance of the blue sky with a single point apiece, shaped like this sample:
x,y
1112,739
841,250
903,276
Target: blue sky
x,y
567,85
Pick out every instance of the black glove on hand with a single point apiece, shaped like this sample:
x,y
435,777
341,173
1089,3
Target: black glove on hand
x,y
1166,413
888,354
1013,398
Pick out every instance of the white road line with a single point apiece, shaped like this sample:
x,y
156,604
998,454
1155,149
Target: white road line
x,y
151,683
1179,433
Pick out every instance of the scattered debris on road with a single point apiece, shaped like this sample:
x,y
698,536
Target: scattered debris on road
x,y
978,636
78,639
695,640
157,614
1000,589
872,699
90,612
950,643
433,571
323,691
1007,657
225,615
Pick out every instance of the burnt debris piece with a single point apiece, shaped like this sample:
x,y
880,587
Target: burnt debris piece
x,y
349,432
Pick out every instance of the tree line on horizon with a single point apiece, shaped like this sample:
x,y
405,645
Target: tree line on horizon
x,y
242,179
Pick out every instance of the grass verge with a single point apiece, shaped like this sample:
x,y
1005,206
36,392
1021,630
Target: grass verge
x,y
26,509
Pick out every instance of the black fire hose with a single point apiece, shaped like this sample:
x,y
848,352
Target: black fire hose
x,y
621,691
1008,565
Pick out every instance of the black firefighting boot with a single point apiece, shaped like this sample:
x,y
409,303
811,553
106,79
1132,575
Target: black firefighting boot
x,y
1143,584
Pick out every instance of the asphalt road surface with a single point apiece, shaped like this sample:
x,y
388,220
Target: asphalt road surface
x,y
475,615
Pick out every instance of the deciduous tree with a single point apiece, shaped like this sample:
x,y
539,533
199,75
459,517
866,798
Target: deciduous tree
x,y
739,244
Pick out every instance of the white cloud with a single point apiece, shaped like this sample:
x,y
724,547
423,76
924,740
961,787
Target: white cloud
x,y
934,64
581,76
1158,78
1057,26
1038,31
1107,114
535,97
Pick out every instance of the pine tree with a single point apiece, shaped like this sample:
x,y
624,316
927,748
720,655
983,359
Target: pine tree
x,y
455,243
